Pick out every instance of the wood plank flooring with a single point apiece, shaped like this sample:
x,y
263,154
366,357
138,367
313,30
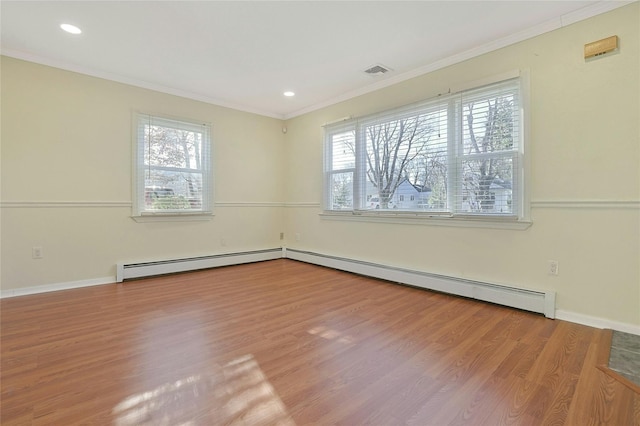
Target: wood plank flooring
x,y
286,343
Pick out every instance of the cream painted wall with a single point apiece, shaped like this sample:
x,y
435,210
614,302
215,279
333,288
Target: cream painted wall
x,y
67,137
584,150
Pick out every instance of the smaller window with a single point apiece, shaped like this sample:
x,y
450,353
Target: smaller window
x,y
340,161
173,167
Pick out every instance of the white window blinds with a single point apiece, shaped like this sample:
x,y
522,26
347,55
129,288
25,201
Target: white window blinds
x,y
488,151
453,155
173,166
341,164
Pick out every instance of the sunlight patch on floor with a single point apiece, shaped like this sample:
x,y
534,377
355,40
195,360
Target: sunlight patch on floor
x,y
330,334
236,393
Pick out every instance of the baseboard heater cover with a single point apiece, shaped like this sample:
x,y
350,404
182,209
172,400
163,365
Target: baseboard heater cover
x,y
529,300
126,271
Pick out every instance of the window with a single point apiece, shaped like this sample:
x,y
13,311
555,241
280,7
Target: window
x,y
340,146
455,155
173,167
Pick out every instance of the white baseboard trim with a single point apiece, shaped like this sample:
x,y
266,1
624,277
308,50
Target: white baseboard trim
x,y
530,300
597,322
170,266
55,287
154,268
525,299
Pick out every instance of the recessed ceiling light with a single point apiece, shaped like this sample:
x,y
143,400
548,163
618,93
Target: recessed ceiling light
x,y
289,94
71,29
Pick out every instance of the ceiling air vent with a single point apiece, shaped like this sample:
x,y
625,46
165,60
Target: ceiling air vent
x,y
377,70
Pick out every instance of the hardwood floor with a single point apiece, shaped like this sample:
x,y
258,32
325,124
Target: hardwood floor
x,y
282,342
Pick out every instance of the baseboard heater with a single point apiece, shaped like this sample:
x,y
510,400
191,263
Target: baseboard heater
x,y
126,271
529,300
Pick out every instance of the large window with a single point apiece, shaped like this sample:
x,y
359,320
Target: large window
x,y
455,155
173,167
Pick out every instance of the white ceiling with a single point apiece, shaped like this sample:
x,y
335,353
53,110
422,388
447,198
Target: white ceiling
x,y
245,54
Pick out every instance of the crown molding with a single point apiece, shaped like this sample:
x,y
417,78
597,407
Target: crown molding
x,y
42,60
551,25
542,28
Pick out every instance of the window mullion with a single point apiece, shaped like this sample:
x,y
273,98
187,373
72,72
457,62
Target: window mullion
x,y
454,131
359,178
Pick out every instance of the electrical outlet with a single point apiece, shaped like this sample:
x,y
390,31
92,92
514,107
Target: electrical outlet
x,y
281,236
36,252
297,236
553,267
223,242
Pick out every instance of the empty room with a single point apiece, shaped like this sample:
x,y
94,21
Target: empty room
x,y
320,212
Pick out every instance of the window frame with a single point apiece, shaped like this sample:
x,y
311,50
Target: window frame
x,y
140,214
453,216
328,161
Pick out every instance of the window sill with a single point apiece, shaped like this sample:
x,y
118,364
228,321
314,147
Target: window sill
x,y
174,217
433,220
